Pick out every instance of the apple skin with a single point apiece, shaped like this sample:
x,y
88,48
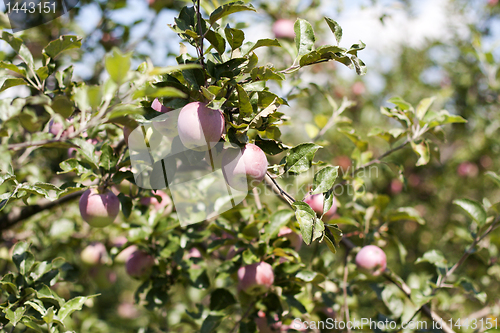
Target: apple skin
x,y
244,169
139,264
56,128
283,28
200,127
94,254
99,210
371,260
294,238
165,204
255,278
316,203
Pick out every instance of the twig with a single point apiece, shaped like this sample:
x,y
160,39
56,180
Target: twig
x,y
379,159
345,104
278,190
8,220
250,307
256,197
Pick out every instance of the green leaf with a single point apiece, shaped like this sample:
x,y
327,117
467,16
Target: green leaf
x,y
333,236
434,257
220,299
304,37
443,117
211,323
48,317
402,104
74,304
227,9
244,101
108,159
419,299
493,176
22,257
311,227
126,204
12,82
422,150
324,179
6,177
63,43
299,158
474,209
249,47
117,65
235,37
358,64
216,40
335,28
63,106
172,69
278,220
12,67
405,214
15,316
87,150
424,106
19,48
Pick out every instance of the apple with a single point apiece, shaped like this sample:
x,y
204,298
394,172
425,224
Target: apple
x,y
200,127
358,88
371,260
467,169
167,126
99,209
165,205
283,28
244,169
396,186
94,254
255,278
139,264
316,203
103,276
56,128
294,238
124,254
127,310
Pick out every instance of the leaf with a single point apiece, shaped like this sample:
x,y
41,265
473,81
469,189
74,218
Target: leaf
x,y
230,8
311,227
493,176
434,257
217,41
249,47
74,304
220,299
12,82
172,69
422,150
210,324
304,37
14,68
15,316
126,204
6,177
278,220
235,37
243,101
402,104
324,179
299,159
443,117
405,214
333,236
108,159
19,48
474,209
63,43
419,299
117,64
423,106
23,258
335,28
86,149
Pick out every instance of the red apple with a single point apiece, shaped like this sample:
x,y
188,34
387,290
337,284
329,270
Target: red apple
x,y
99,209
316,203
200,127
294,238
283,28
371,260
94,254
244,169
165,205
140,264
255,278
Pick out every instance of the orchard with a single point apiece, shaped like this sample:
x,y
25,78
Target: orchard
x,y
250,166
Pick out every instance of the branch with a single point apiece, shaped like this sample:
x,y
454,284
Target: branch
x,y
9,220
278,190
379,159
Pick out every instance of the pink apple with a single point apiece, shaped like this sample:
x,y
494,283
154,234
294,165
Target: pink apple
x,y
140,264
56,128
372,260
165,205
467,169
167,125
294,238
283,28
316,203
244,169
358,88
99,209
124,254
200,127
94,254
255,278
127,310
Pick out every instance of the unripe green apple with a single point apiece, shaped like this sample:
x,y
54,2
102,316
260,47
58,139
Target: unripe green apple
x,y
371,260
256,278
244,169
99,209
200,127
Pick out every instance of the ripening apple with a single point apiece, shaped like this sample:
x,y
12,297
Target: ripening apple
x,y
283,28
294,238
255,278
94,254
316,203
165,205
140,264
167,126
371,260
56,128
244,169
99,209
124,254
200,127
